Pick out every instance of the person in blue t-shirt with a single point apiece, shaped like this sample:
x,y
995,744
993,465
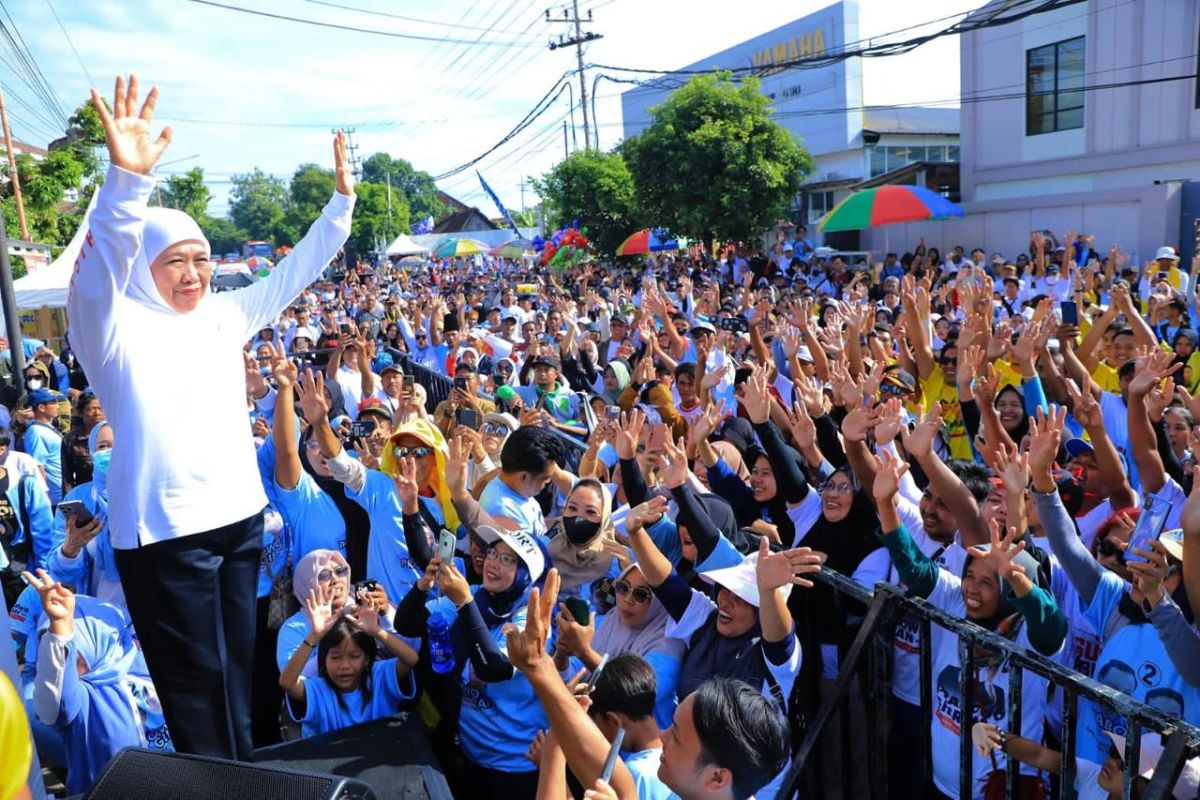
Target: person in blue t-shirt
x,y
527,465
499,715
43,441
352,686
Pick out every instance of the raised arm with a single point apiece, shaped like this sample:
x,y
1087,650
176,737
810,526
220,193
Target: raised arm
x,y
1151,367
1086,410
944,483
287,450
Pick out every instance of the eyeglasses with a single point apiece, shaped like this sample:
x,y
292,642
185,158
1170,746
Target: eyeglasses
x,y
507,559
415,452
325,575
641,595
495,429
840,488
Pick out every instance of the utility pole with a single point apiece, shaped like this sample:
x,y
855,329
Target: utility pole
x,y
566,150
12,172
571,17
523,184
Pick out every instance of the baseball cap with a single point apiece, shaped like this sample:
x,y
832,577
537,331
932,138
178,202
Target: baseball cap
x,y
546,361
523,544
1078,447
804,354
393,367
41,397
373,405
1172,542
703,327
500,418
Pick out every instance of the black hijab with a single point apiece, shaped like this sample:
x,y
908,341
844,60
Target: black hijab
x,y
355,517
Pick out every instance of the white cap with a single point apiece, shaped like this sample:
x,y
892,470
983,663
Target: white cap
x,y
1166,252
741,579
522,543
1188,785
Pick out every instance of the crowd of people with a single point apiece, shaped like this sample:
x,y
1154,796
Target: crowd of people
x,y
605,535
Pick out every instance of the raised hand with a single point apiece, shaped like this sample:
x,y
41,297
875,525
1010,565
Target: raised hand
x,y
283,369
366,619
889,420
646,513
675,468
127,129
453,584
1151,366
319,611
812,394
527,648
860,420
1084,407
705,424
1013,468
757,397
1002,553
1149,574
57,600
887,477
919,442
629,432
776,570
310,389
1045,432
804,432
406,485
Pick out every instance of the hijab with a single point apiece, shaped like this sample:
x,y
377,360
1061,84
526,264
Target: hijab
x,y
497,609
621,372
105,559
581,564
104,638
614,638
423,429
304,577
163,227
354,516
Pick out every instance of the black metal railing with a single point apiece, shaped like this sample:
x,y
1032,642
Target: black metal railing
x,y
873,642
437,388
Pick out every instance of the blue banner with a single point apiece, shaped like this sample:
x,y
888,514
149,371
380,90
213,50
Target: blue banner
x,y
500,206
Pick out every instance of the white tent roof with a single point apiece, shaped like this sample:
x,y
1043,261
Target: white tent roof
x,y
48,286
405,246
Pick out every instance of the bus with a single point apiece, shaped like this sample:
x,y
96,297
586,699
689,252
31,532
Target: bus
x,y
264,249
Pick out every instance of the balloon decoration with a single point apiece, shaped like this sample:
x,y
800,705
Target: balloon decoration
x,y
566,248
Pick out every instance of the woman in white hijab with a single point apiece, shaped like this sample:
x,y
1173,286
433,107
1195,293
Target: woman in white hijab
x,y
185,500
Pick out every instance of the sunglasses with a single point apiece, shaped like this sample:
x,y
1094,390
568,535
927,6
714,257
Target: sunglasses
x,y
495,429
415,452
325,575
839,488
507,559
641,595
892,389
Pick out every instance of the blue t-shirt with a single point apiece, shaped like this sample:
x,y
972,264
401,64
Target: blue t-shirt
x,y
643,766
1134,661
323,713
45,445
276,541
312,517
388,560
500,501
499,720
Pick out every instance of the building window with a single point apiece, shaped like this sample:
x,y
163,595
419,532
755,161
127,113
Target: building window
x,y
1054,87
819,204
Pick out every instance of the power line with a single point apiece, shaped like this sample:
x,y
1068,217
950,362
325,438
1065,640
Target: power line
x,y
471,58
870,51
438,23
67,36
351,28
33,75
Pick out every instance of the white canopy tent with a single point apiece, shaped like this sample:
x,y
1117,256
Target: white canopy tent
x,y
47,288
403,245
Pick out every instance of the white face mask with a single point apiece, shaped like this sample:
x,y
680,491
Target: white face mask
x,y
35,383
1051,280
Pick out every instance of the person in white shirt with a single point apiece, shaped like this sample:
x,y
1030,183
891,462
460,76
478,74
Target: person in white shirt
x,y
185,505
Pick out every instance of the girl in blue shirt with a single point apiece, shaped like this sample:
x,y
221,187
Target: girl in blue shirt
x,y
352,686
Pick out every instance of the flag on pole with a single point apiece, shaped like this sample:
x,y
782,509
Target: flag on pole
x,y
503,211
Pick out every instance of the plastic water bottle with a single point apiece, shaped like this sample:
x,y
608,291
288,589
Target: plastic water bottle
x,y
441,652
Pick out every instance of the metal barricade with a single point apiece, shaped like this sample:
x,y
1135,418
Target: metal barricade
x,y
873,643
437,388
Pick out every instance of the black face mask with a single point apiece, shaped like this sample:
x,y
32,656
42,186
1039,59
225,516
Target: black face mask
x,y
578,530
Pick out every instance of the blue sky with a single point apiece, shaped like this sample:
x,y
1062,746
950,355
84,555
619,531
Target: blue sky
x,y
243,91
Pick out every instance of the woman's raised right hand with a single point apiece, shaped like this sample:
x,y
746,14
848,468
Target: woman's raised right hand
x,y
127,129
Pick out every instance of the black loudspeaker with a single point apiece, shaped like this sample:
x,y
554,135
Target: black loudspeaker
x,y
155,775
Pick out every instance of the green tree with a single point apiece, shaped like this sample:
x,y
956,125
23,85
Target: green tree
x,y
713,164
224,236
374,224
417,187
597,189
188,193
257,204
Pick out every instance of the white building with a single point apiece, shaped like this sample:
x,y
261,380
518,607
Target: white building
x,y
823,106
1085,118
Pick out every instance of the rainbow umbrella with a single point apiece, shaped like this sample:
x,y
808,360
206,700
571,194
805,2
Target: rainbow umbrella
x,y
514,248
448,248
885,205
256,263
647,241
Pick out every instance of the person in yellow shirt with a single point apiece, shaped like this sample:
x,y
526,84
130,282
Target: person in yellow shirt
x,y
16,744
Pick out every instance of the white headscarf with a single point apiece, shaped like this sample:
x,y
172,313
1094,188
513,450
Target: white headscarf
x,y
164,227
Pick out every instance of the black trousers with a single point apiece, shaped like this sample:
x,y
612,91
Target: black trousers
x,y
265,692
192,601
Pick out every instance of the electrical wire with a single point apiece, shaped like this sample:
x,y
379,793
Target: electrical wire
x,y
67,36
452,25
33,75
335,26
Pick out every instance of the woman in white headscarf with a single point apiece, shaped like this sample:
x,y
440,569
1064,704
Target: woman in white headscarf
x,y
185,501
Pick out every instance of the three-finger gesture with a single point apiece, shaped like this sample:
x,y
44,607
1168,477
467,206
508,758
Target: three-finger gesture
x,y
341,165
406,485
